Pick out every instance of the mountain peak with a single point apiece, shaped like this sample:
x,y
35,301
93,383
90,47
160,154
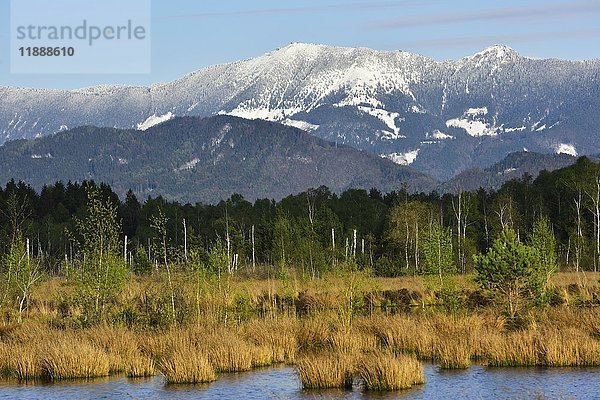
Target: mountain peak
x,y
298,49
499,51
295,47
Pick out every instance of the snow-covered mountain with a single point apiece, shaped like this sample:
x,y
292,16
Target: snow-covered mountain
x,y
439,117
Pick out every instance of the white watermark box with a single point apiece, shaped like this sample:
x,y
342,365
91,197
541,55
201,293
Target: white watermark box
x,y
80,36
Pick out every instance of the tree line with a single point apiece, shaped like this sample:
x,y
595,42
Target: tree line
x,y
393,234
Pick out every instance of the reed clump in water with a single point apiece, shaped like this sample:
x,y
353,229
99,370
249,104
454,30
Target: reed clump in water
x,y
404,333
456,340
325,370
383,371
554,336
313,333
140,366
24,364
123,349
71,358
351,342
228,353
453,353
567,348
186,366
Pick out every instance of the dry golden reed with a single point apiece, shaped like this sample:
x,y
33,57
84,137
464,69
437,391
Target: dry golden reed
x,y
228,353
140,366
352,341
185,366
568,348
279,335
325,370
324,345
313,333
382,371
69,358
453,353
26,364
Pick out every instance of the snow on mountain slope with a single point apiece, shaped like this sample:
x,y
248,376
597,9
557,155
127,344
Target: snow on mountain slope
x,y
564,148
154,120
386,102
403,159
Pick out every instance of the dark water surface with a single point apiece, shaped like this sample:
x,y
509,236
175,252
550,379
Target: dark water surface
x,y
478,382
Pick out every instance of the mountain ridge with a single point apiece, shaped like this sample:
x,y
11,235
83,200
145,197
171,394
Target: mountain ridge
x,y
203,159
441,117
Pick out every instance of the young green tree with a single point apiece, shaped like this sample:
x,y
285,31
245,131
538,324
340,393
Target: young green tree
x,y
218,261
219,273
542,239
282,239
21,273
355,284
407,225
511,270
437,251
102,270
27,275
162,249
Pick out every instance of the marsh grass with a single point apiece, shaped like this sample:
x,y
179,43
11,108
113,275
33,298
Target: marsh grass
x,y
514,349
383,371
568,348
404,333
140,366
313,334
119,343
325,370
185,366
228,353
70,358
457,340
279,335
7,359
352,341
26,364
453,354
325,346
262,356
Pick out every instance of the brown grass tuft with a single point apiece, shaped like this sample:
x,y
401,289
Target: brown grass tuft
x,y
325,370
515,349
228,353
385,371
26,364
140,366
70,358
313,334
279,335
185,366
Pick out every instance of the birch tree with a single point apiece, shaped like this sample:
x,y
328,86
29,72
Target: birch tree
x,y
102,271
159,224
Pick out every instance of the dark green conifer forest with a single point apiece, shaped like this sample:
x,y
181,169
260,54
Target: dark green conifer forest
x,y
392,234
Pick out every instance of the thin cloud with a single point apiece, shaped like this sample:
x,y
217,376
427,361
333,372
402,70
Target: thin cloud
x,y
559,9
341,7
497,39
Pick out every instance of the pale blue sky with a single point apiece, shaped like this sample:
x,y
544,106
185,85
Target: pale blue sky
x,y
188,35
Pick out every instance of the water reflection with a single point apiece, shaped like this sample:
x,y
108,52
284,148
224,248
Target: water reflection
x,y
477,382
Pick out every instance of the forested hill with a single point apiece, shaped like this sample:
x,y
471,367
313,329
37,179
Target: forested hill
x,y
191,159
394,226
514,166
